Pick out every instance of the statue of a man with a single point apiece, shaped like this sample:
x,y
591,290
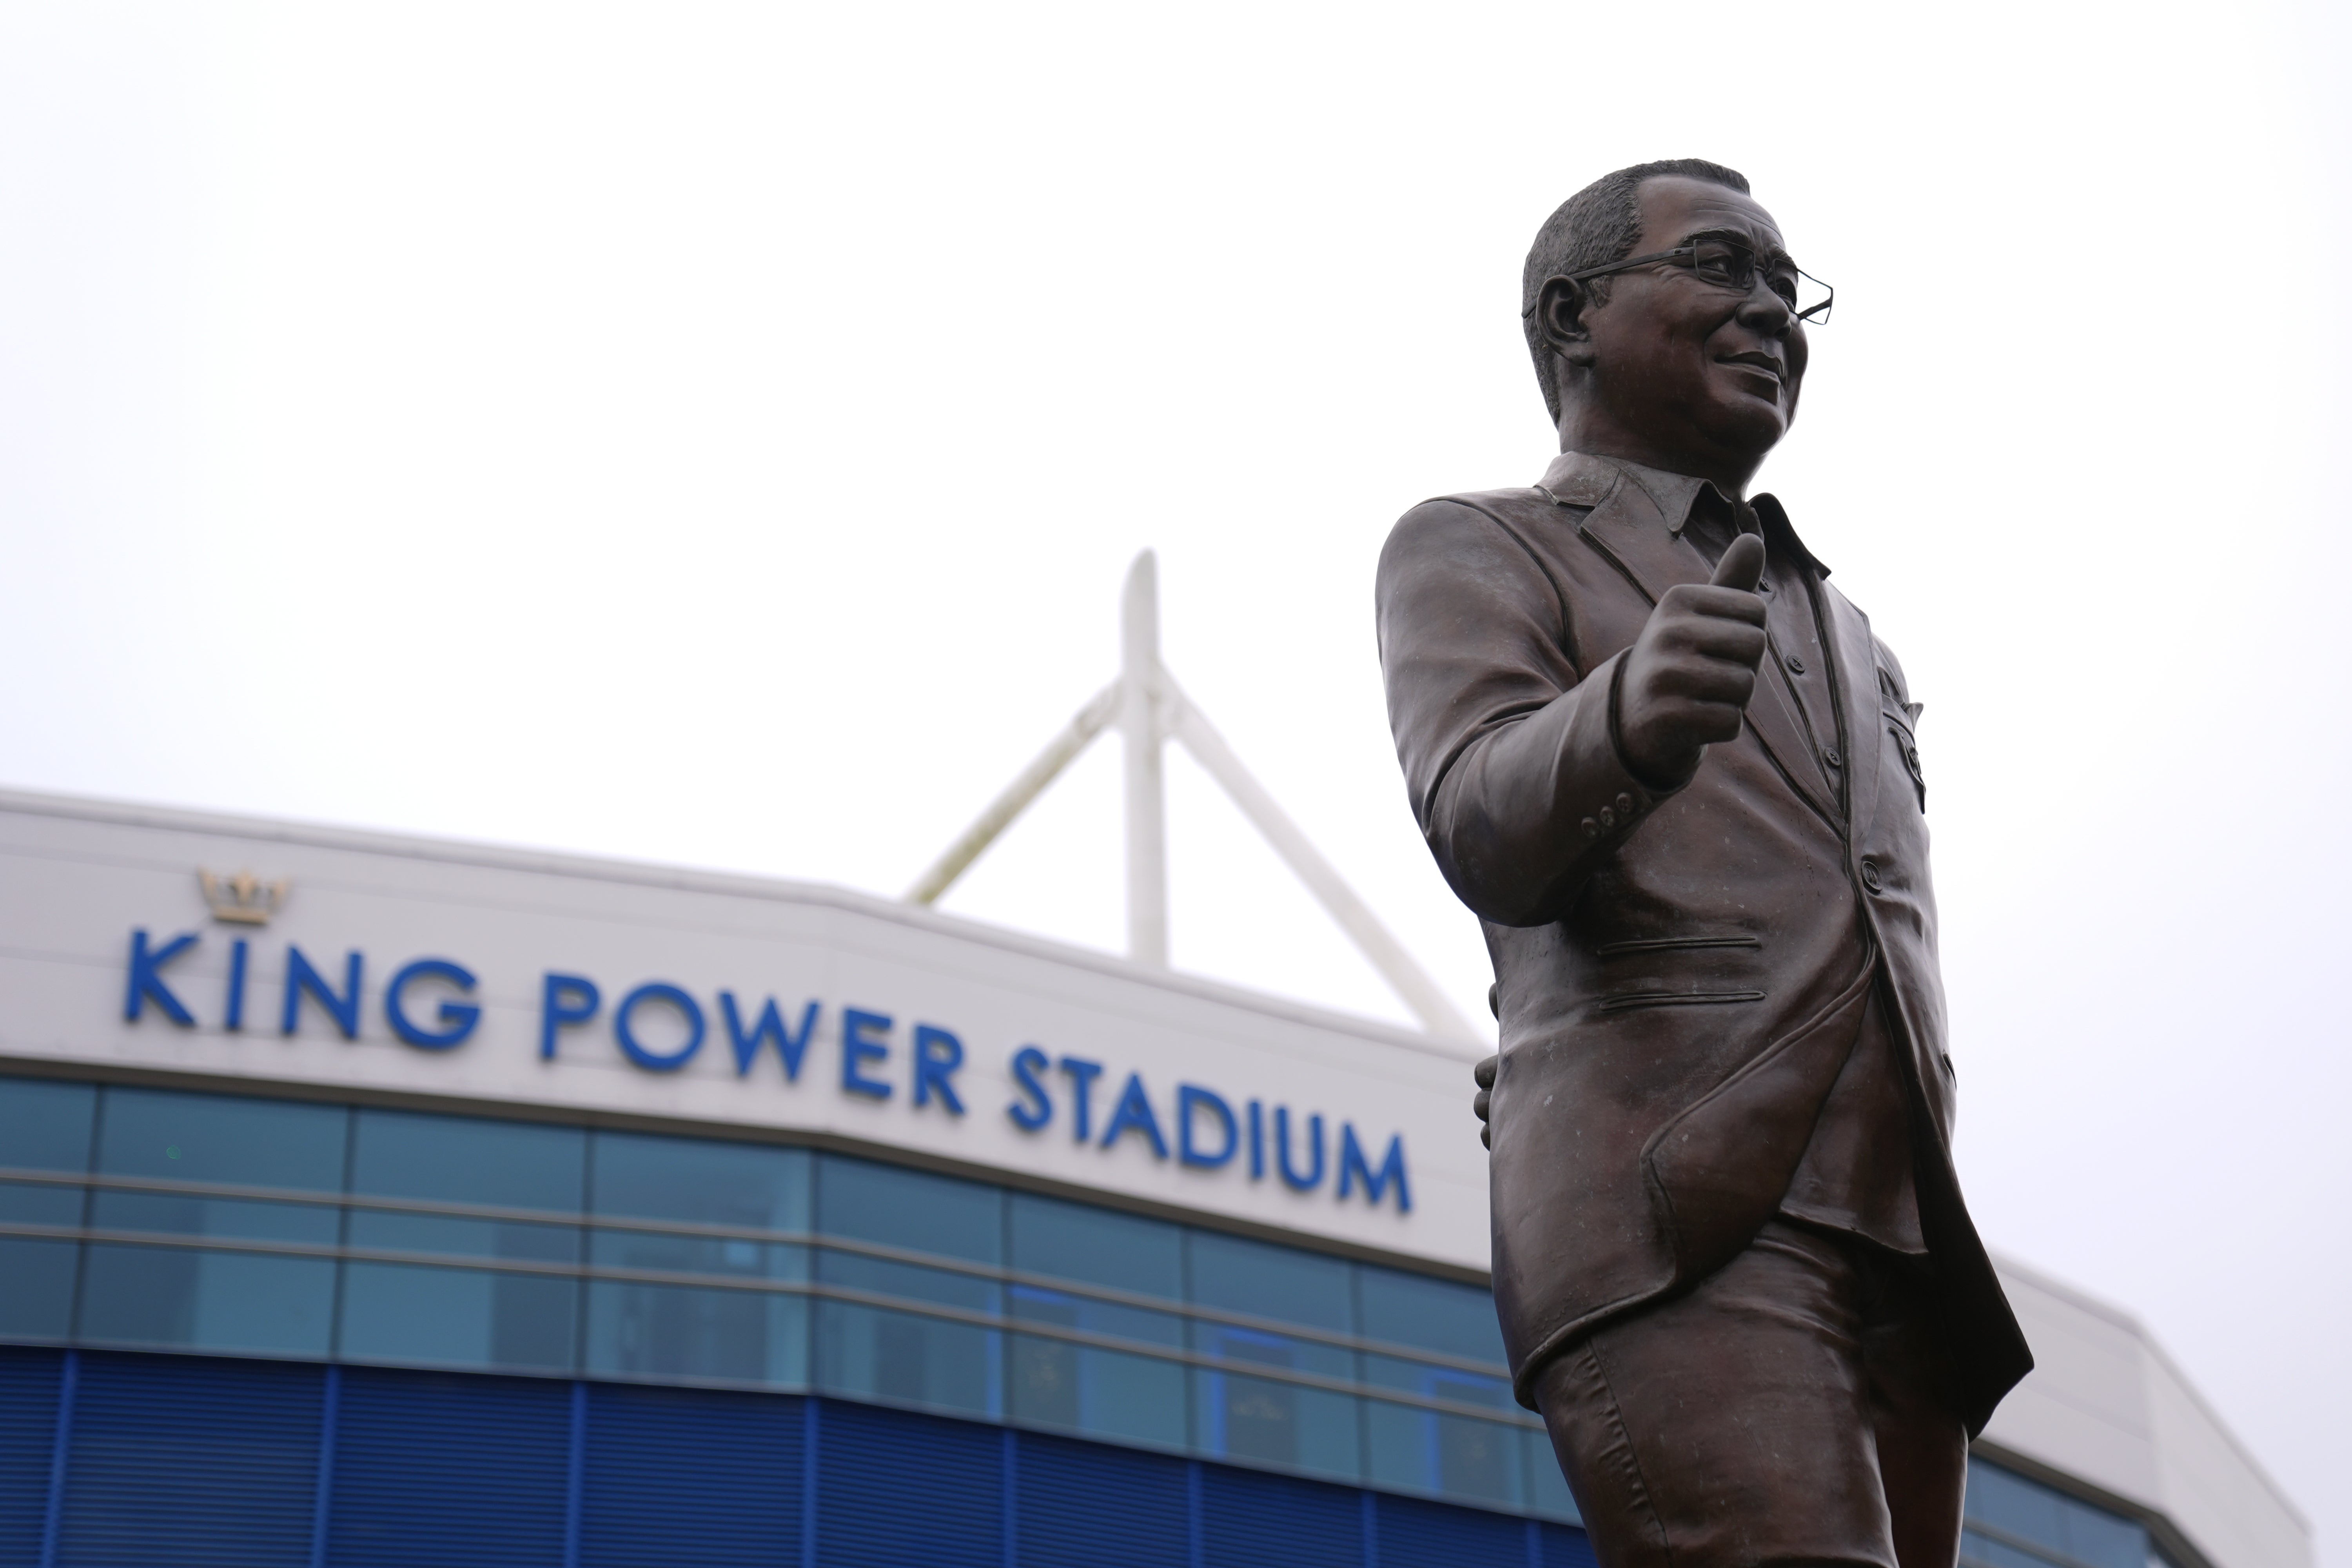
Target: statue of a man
x,y
1675,775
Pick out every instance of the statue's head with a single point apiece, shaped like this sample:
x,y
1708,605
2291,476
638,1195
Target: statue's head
x,y
1689,358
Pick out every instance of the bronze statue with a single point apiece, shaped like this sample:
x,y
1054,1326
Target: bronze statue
x,y
1675,775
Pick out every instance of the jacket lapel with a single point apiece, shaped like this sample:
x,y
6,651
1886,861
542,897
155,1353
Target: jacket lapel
x,y
1631,526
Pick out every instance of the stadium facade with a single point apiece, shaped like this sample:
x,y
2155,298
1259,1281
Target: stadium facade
x,y
372,1200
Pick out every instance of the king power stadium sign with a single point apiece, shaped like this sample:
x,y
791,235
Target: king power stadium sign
x,y
657,1026
249,956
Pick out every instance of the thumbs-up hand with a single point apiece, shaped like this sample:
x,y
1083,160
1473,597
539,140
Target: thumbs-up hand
x,y
1689,675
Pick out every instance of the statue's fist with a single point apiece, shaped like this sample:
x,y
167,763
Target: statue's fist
x,y
1691,672
1485,1075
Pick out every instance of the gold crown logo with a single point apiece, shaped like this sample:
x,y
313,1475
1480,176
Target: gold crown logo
x,y
243,899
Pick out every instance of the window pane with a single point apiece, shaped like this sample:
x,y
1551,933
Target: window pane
x,y
168,1136
183,1298
864,1353
1430,1451
1548,1492
1077,1388
217,1138
43,1127
457,1316
1432,1314
1096,1247
448,1159
912,1209
37,1281
456,1159
1082,1388
744,1185
1272,1422
665,1331
1266,1281
46,1126
2013,1505
734,1184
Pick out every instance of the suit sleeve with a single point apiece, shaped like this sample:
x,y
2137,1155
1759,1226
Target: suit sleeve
x,y
1510,752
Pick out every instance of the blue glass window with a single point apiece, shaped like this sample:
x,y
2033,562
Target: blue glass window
x,y
679,1328
269,1296
1417,1448
2018,1523
520,1317
43,1127
1269,1420
1079,1387
943,1361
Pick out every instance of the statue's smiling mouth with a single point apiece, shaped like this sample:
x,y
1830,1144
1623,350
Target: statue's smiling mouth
x,y
1758,359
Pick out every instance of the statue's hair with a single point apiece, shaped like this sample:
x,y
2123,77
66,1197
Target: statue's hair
x,y
1598,225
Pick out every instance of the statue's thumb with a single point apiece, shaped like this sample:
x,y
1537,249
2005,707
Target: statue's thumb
x,y
1742,565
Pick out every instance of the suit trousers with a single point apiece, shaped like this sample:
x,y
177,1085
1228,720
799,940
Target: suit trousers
x,y
1796,1406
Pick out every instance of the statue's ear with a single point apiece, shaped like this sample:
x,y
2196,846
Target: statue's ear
x,y
1559,317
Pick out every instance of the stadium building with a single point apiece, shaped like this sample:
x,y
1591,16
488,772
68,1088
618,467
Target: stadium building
x,y
371,1200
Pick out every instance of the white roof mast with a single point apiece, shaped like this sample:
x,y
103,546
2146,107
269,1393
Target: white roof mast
x,y
1149,708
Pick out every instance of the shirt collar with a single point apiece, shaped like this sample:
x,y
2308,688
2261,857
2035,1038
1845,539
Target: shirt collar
x,y
1572,477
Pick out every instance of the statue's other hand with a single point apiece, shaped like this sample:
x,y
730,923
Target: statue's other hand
x,y
1484,1073
1689,675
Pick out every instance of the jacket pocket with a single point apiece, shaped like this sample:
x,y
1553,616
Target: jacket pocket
x,y
1633,999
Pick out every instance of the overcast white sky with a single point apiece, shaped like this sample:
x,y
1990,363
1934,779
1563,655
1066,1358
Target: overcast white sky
x,y
715,435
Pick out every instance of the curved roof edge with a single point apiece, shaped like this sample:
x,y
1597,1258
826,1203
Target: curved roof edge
x,y
2106,1415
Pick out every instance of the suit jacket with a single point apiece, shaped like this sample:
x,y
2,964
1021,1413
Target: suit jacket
x,y
1680,975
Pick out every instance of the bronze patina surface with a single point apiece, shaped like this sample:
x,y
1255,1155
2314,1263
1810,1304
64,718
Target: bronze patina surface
x,y
1676,776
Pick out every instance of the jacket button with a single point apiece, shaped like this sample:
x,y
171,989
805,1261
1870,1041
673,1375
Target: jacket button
x,y
1625,805
1796,665
1870,878
1608,817
1830,757
1591,829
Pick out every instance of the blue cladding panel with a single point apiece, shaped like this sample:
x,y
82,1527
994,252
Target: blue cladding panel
x,y
682,1480
449,1470
1080,1505
28,1424
900,1490
192,1462
1416,1534
1252,1521
1566,1547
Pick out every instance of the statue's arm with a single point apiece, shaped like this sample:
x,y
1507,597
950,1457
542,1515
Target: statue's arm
x,y
1511,759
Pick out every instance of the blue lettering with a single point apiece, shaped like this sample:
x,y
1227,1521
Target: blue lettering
x,y
938,1054
233,1014
564,999
147,979
1314,1177
1353,1165
301,977
1257,1142
855,1048
1027,1063
624,1031
1083,1074
457,1018
788,1046
1189,1100
1135,1110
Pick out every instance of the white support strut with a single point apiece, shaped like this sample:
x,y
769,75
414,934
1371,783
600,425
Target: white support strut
x,y
1148,709
1064,749
1411,982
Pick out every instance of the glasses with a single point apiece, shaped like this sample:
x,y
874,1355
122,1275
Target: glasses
x,y
1729,264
